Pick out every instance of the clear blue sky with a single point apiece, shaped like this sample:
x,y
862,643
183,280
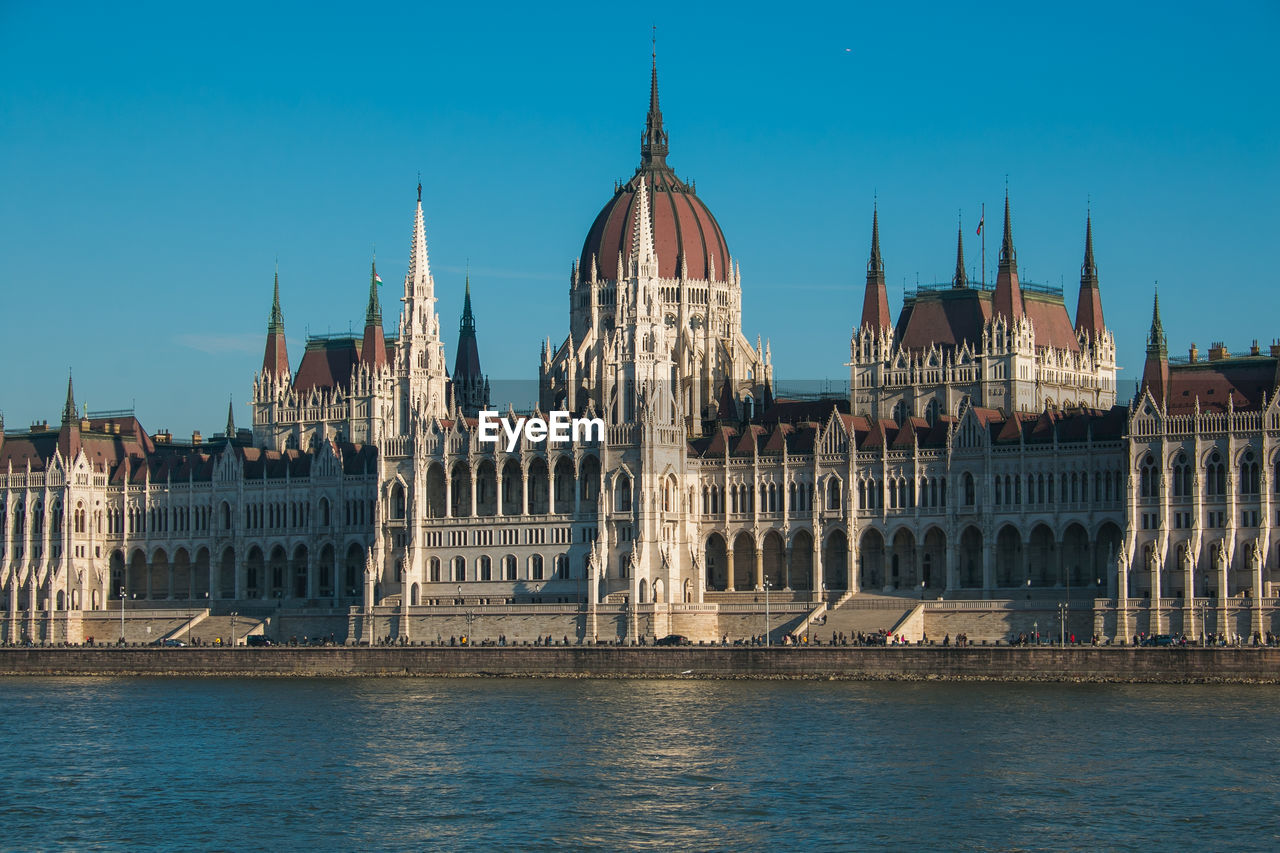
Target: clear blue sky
x,y
155,159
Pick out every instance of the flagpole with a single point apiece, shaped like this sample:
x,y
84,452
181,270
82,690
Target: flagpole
x,y
983,221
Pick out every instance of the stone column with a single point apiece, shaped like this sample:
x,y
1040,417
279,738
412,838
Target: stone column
x,y
1256,559
759,568
728,559
786,566
1223,587
1156,563
448,493
988,566
949,555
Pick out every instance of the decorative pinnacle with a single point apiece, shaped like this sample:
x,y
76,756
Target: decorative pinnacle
x,y
1157,343
69,410
1007,254
959,279
373,314
1088,270
275,326
468,325
653,143
231,418
876,264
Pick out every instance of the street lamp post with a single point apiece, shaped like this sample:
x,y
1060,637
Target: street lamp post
x,y
234,614
1035,632
767,585
922,585
1062,616
122,616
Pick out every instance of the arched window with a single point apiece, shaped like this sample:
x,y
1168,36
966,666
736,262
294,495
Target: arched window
x,y
1149,478
901,412
833,493
999,496
562,566
932,411
459,569
970,490
624,494
434,570
535,567
485,569
509,567
1215,476
1248,474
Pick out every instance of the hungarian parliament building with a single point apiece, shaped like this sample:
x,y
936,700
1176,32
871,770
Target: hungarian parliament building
x,y
981,458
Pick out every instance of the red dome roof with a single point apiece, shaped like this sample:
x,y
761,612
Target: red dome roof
x,y
682,224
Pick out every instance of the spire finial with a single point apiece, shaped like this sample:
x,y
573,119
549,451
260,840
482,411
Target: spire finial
x,y
468,325
419,187
1157,343
653,142
1007,254
69,410
373,313
231,417
275,325
1088,270
876,264
959,279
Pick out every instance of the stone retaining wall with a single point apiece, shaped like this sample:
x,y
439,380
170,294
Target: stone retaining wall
x,y
1158,665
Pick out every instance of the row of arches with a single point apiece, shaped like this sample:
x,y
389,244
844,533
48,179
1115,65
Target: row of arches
x,y
512,489
910,560
273,573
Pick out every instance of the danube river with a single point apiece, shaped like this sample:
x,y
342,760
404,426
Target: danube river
x,y
507,764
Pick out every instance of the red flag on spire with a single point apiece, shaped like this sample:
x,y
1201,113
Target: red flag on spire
x,y
980,221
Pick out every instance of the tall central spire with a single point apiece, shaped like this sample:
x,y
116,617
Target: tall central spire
x,y
1089,305
1007,299
275,360
959,279
875,300
653,144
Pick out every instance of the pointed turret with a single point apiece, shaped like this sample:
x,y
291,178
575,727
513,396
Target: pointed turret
x,y
276,359
653,143
1089,306
69,408
959,279
1155,372
875,301
231,418
470,387
1007,299
374,350
69,435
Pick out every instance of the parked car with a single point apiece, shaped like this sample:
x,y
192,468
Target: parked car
x,y
1160,640
258,640
171,642
673,640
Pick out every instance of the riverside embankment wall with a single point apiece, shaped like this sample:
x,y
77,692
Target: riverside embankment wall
x,y
1104,664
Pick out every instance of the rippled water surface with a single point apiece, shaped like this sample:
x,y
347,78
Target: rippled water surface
x,y
479,764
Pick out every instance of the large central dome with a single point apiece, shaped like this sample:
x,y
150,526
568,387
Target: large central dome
x,y
683,227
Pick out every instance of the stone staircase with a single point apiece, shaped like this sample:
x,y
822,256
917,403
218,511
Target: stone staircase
x,y
209,628
863,613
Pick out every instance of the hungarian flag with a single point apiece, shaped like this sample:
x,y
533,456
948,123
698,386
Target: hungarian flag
x,y
980,221
377,278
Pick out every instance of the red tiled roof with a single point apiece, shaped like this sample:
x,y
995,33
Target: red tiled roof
x,y
327,363
1246,381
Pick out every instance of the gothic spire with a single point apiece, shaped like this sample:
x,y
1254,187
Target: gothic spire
x,y
275,360
1007,299
959,279
1155,371
653,143
231,418
275,325
1007,254
373,313
468,325
1089,305
1157,343
69,410
374,349
875,299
